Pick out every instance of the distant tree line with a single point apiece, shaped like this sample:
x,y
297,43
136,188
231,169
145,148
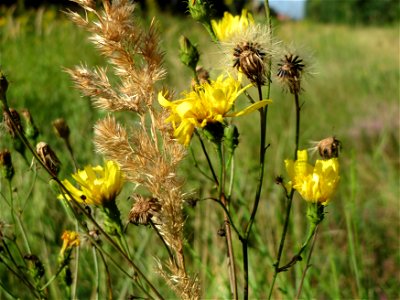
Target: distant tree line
x,y
376,12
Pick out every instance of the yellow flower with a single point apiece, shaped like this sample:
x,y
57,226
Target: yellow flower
x,y
208,103
317,183
230,25
97,184
70,239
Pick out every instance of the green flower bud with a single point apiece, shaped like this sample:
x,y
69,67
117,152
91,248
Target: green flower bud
x,y
200,10
188,53
31,131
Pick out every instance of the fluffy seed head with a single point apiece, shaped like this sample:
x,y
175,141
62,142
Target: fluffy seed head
x,y
289,72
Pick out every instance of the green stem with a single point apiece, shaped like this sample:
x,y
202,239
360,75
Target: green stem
x,y
307,263
108,275
290,199
76,270
263,133
227,221
96,272
17,219
203,147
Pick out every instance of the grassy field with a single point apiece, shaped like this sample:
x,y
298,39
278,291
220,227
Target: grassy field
x,y
353,94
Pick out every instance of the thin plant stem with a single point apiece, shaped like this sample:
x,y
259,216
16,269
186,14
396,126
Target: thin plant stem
x,y
171,256
17,219
7,292
108,275
228,232
303,276
96,272
76,270
290,199
263,133
203,147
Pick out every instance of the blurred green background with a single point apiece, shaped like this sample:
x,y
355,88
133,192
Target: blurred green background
x,y
352,93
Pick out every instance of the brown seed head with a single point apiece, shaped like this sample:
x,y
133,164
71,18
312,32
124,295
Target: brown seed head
x,y
48,157
250,59
16,119
61,128
143,210
329,147
289,72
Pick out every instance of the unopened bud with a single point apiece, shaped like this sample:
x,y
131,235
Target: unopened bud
x,y
61,128
3,88
188,53
31,131
48,157
7,169
214,132
200,10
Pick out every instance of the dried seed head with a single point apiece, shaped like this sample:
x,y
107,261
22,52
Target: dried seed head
x,y
16,119
61,128
143,210
48,157
289,72
329,147
6,165
250,59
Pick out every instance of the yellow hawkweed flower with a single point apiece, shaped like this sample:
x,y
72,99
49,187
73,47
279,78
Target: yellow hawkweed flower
x,y
230,25
97,184
208,103
70,239
317,183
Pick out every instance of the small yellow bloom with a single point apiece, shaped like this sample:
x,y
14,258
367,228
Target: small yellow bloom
x,y
97,184
314,183
230,25
70,239
208,103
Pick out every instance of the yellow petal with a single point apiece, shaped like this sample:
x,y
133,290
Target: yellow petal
x,y
250,108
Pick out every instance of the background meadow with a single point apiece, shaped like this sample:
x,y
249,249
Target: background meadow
x,y
353,94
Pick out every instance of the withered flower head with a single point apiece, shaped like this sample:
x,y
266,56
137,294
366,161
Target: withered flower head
x,y
16,119
143,210
289,72
6,164
48,157
329,147
250,59
202,75
61,128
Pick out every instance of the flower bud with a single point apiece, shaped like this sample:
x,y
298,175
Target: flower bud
x,y
35,266
200,10
48,157
188,53
31,131
7,169
61,128
3,88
